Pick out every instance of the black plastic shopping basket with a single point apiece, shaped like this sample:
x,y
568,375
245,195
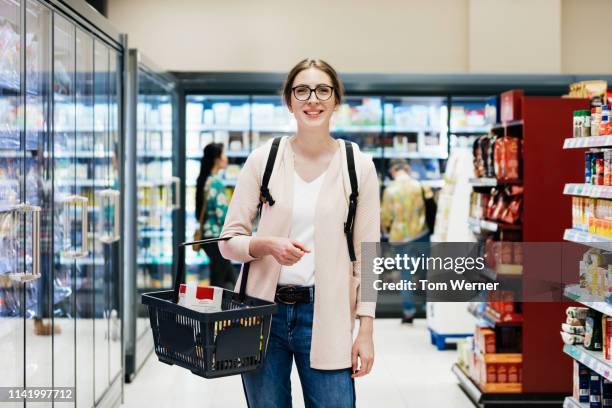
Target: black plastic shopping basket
x,y
211,345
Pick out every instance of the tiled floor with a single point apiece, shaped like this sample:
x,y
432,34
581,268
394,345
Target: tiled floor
x,y
408,372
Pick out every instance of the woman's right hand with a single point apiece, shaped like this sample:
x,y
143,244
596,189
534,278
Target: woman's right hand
x,y
286,251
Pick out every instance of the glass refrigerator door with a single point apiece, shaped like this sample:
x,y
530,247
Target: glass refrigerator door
x,y
102,284
226,120
11,165
155,230
85,159
111,208
416,129
38,181
70,209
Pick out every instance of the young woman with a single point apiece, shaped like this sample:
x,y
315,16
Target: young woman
x,y
299,256
211,208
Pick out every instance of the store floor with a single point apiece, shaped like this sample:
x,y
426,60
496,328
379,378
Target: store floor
x,y
408,372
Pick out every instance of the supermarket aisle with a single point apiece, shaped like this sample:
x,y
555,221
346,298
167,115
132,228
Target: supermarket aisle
x,y
409,372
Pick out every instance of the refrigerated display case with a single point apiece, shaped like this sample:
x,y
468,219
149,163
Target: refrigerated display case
x,y
151,152
228,120
60,133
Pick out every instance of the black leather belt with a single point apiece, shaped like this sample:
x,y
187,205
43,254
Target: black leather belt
x,y
290,295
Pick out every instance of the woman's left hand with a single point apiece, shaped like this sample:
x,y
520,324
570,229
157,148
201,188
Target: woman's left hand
x,y
362,353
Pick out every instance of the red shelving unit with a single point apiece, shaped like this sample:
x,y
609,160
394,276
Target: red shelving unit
x,y
546,167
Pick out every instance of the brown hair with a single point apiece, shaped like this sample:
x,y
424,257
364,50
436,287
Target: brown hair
x,y
320,65
399,164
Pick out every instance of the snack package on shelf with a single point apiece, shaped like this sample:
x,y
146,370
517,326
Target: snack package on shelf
x,y
593,330
582,377
571,339
507,158
606,332
595,385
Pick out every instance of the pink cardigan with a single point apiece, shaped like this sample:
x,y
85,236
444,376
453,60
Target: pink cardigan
x,y
337,279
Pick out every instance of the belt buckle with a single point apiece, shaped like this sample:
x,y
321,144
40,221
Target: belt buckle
x,y
280,293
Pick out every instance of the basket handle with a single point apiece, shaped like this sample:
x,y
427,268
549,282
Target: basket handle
x,y
180,270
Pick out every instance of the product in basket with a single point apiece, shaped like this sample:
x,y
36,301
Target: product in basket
x,y
203,299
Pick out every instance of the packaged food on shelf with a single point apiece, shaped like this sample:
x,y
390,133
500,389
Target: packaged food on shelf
x,y
593,330
485,340
582,377
581,119
606,393
593,89
579,330
577,312
595,120
571,339
507,158
606,332
511,105
572,321
595,383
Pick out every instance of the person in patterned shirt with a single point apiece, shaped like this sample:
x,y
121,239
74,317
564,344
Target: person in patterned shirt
x,y
211,209
403,220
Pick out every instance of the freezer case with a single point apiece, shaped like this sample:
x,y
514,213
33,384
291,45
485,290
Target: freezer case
x,y
51,150
152,168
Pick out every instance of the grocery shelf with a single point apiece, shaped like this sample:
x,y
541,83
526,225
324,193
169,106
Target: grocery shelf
x,y
581,295
198,127
492,182
492,318
358,129
400,129
478,225
155,234
570,402
503,125
154,154
155,261
83,182
586,142
592,359
581,237
414,155
494,394
83,154
588,190
503,271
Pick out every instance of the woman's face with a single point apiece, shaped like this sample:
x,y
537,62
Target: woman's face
x,y
312,112
221,161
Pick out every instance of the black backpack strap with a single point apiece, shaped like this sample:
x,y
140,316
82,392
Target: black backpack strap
x,y
350,219
265,196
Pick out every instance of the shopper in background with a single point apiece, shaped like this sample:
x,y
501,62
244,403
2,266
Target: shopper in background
x,y
300,241
211,208
403,220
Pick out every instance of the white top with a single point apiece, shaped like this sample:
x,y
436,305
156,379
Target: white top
x,y
302,230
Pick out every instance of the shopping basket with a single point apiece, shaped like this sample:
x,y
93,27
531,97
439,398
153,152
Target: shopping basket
x,y
211,345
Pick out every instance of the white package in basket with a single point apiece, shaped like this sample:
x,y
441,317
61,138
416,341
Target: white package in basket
x,y
203,299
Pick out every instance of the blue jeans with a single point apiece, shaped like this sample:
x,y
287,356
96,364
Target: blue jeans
x,y
408,301
290,336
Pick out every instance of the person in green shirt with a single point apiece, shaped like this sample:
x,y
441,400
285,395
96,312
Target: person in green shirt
x,y
211,209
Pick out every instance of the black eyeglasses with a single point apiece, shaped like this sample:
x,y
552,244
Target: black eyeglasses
x,y
303,92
